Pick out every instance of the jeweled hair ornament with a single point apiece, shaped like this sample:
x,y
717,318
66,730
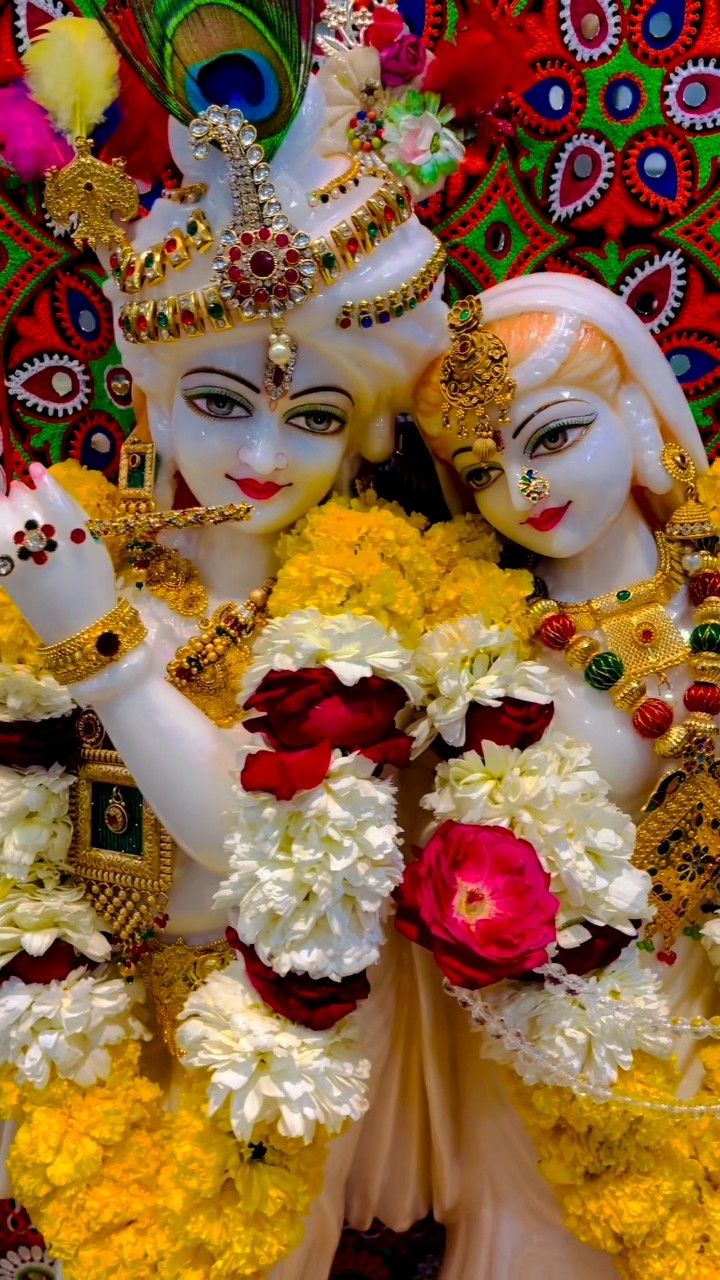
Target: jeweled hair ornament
x,y
475,380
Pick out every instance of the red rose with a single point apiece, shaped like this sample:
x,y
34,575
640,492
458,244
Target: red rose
x,y
46,742
604,946
54,965
315,1003
387,25
515,723
479,899
299,709
403,61
284,773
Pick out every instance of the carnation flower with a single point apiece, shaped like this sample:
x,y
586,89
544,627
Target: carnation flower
x,y
592,1033
551,795
272,1070
32,918
351,647
27,696
710,938
67,1025
418,145
310,877
467,662
35,829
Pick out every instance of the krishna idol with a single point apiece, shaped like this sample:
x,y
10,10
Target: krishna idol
x,y
187,1017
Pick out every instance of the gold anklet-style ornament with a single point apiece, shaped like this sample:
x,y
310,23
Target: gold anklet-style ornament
x,y
89,652
207,669
390,306
475,378
133,271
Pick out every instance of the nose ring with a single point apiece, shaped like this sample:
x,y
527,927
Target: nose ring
x,y
533,486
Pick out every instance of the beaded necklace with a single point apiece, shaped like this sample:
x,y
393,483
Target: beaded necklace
x,y
678,841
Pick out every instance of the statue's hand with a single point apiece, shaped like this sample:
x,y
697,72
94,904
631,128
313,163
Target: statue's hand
x,y
62,579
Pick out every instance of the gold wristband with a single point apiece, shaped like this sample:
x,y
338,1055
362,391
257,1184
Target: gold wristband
x,y
90,651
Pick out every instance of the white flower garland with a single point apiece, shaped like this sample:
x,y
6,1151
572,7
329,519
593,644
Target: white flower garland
x,y
464,662
551,1031
67,1025
271,1069
350,645
550,795
310,877
35,828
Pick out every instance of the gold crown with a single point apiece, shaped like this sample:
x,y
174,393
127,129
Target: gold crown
x,y
262,264
474,377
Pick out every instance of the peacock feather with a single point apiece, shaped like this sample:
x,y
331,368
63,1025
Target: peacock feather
x,y
254,55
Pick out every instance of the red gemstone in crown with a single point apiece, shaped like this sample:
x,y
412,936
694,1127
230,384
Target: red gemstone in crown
x,y
269,271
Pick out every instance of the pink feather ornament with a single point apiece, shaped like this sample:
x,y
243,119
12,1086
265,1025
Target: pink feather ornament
x,y
28,142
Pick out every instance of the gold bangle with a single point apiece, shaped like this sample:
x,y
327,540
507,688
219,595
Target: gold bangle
x,y
90,651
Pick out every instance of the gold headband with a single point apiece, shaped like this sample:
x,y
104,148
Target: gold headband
x,y
474,377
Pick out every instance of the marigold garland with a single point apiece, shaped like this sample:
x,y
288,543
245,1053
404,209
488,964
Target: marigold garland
x,y
642,1186
176,1193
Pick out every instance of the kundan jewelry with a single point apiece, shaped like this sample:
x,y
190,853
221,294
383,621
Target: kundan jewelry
x,y
533,486
475,378
678,840
390,306
135,271
35,542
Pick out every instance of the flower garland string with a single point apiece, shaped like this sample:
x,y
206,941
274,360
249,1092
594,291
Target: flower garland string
x,y
271,1058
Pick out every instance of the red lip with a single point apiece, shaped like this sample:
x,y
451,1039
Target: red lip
x,y
548,519
258,490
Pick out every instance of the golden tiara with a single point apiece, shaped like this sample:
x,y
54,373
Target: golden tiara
x,y
262,265
474,378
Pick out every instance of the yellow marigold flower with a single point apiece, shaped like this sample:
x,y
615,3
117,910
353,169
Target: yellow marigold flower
x,y
709,487
18,642
464,537
10,1094
95,494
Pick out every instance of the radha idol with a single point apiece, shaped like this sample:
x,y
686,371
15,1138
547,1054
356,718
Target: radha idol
x,y
569,888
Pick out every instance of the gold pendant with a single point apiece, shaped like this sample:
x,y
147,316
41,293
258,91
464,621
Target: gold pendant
x,y
120,853
646,640
88,192
678,840
173,971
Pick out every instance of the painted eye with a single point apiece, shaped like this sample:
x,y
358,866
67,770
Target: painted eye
x,y
55,385
654,291
694,361
479,478
582,171
663,28
658,170
692,95
95,441
555,102
83,315
217,402
590,28
320,421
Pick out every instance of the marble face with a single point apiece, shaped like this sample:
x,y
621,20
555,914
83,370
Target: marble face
x,y
231,444
574,441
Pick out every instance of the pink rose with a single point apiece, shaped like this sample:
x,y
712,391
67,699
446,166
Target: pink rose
x,y
403,61
479,899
